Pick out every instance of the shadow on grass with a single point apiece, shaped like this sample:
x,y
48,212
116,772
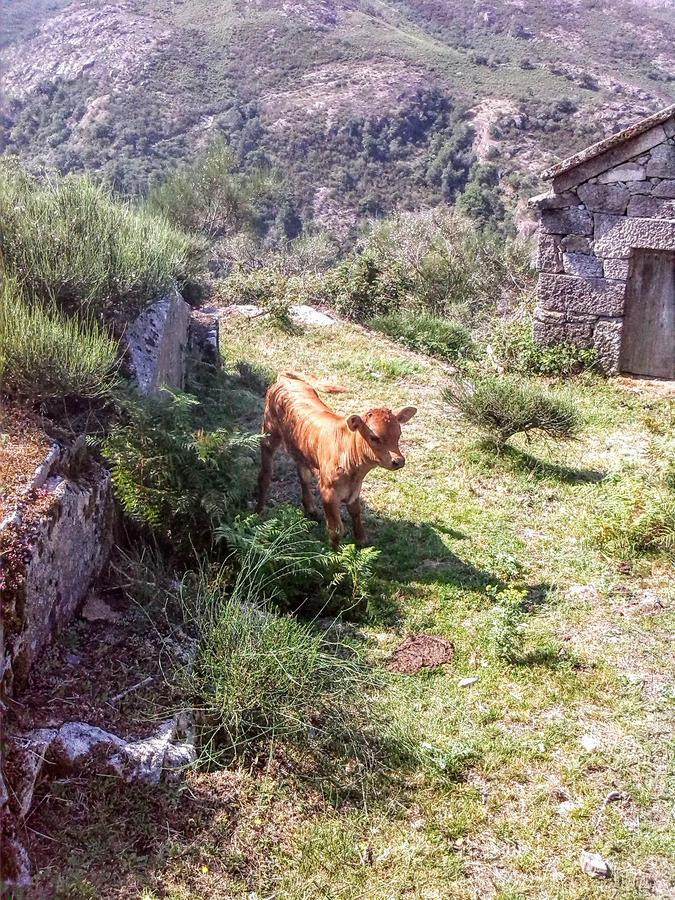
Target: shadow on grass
x,y
521,461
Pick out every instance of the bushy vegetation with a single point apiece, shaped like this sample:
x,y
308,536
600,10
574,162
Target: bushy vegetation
x,y
514,346
434,261
173,476
69,241
46,355
297,570
258,675
209,196
427,333
504,406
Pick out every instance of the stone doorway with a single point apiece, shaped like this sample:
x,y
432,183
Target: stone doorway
x,y
648,340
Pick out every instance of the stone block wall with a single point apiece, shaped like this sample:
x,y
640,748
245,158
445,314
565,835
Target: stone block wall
x,y
598,213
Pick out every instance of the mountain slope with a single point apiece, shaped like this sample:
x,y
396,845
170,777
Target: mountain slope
x,y
363,104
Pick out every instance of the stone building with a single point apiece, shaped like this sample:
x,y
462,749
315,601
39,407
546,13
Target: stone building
x,y
606,253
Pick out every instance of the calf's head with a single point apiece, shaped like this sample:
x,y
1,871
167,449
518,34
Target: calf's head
x,y
381,430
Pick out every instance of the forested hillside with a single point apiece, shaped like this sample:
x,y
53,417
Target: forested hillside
x,y
363,105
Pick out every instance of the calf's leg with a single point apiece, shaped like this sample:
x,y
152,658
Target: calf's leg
x,y
305,475
268,448
331,507
355,512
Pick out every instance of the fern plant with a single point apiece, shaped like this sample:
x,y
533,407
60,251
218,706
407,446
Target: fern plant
x,y
173,477
293,568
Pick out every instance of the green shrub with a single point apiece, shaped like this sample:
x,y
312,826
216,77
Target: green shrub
x,y
360,288
296,568
426,333
268,288
634,516
46,355
172,476
514,345
257,675
507,624
208,196
504,406
70,241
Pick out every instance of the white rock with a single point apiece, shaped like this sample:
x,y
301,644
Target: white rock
x,y
467,682
589,743
594,865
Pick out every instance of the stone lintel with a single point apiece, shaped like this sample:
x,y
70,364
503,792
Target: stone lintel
x,y
614,156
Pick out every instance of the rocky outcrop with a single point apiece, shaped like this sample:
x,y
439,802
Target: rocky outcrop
x,y
157,343
604,205
54,544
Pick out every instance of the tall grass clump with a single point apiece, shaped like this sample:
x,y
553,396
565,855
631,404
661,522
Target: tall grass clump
x,y
258,676
635,517
427,333
46,355
517,351
504,406
69,240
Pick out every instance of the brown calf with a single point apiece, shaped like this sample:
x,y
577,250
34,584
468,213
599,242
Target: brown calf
x,y
341,451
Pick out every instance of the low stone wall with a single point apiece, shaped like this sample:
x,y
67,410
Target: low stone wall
x,y
54,544
157,343
598,214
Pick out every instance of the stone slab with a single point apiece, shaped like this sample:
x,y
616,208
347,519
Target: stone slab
x,y
616,268
651,207
573,295
157,343
616,236
582,264
576,243
662,162
549,253
567,221
611,198
630,171
607,342
553,201
665,188
614,156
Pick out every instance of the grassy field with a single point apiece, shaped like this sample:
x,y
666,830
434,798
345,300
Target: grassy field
x,y
504,781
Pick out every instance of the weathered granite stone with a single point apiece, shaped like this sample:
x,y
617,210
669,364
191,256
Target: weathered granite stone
x,y
68,547
616,268
576,243
554,201
651,207
669,127
567,221
665,188
549,253
570,294
157,341
607,342
612,157
546,332
579,333
611,198
630,171
639,187
662,161
616,236
581,264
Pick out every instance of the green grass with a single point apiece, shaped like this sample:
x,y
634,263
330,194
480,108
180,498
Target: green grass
x,y
69,241
426,333
46,355
462,794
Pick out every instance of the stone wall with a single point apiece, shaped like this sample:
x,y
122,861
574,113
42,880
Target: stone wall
x,y
157,344
598,213
53,546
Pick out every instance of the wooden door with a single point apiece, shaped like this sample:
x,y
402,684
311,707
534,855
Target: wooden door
x,y
648,337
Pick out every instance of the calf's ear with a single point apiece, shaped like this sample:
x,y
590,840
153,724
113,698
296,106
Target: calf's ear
x,y
354,423
406,414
